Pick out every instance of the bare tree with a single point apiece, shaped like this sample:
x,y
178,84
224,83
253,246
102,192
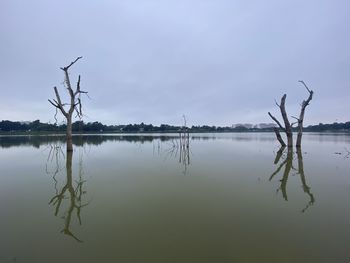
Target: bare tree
x,y
73,106
287,128
184,134
300,120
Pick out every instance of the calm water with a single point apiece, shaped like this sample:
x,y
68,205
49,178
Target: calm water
x,y
230,198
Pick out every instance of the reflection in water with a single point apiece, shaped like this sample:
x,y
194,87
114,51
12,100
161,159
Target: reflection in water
x,y
347,153
97,139
184,156
180,149
214,215
287,163
78,140
69,191
306,188
55,155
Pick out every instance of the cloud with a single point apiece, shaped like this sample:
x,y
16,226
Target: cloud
x,y
218,62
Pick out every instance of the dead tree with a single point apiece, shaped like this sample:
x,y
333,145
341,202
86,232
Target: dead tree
x,y
73,106
287,128
300,120
184,134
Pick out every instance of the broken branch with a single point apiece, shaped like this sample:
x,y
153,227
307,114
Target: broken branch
x,y
71,64
278,123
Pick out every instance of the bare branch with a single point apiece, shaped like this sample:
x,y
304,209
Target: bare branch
x,y
304,104
278,123
277,104
71,64
53,104
63,104
78,87
86,93
57,96
69,87
279,137
80,107
58,102
302,82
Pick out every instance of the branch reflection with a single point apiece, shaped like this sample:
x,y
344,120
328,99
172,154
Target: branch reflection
x,y
285,160
180,148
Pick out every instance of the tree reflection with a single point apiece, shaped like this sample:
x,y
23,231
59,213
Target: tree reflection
x,y
180,149
306,188
73,192
79,140
285,160
184,157
55,155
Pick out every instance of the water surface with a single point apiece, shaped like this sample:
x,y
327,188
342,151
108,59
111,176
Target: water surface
x,y
141,198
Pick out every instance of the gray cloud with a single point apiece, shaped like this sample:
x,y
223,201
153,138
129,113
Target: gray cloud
x,y
218,62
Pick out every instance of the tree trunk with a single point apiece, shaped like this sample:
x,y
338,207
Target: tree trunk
x,y
290,139
69,135
288,127
300,135
300,126
302,114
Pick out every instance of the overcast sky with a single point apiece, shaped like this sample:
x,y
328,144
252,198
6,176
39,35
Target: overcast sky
x,y
218,62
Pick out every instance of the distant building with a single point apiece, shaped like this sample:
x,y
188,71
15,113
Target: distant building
x,y
24,122
245,125
255,126
266,125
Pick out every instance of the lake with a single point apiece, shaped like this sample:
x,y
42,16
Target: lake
x,y
231,197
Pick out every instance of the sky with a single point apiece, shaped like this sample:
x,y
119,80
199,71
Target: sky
x,y
219,62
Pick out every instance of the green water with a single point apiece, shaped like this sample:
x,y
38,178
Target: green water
x,y
132,199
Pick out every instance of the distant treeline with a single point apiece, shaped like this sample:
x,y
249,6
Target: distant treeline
x,y
329,127
78,140
82,127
